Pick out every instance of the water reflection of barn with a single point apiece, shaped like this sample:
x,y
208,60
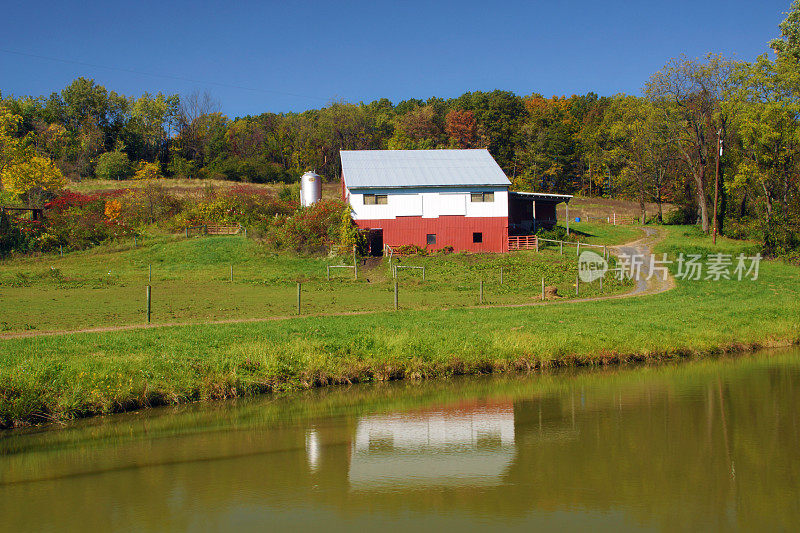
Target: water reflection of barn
x,y
445,446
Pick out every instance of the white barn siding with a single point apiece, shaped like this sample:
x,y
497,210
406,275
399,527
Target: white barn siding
x,y
428,203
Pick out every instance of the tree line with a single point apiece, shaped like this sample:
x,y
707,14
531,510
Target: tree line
x,y
696,115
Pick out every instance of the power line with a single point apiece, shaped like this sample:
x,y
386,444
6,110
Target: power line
x,y
165,76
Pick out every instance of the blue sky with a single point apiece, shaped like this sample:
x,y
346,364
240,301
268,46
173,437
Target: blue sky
x,y
290,56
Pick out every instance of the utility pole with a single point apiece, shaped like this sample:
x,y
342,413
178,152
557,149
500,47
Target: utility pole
x,y
716,183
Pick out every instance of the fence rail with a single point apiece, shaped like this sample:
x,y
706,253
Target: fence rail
x,y
223,230
611,217
397,267
578,246
199,229
615,219
353,266
574,243
205,229
523,242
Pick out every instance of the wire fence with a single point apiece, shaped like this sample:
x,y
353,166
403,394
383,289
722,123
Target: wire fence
x,y
178,295
578,245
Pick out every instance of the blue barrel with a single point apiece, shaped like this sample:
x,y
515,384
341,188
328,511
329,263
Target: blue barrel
x,y
577,219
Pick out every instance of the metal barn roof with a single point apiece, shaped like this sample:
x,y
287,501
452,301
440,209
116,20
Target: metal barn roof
x,y
365,169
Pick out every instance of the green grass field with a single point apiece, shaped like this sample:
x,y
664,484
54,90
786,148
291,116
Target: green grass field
x,y
51,378
105,286
601,233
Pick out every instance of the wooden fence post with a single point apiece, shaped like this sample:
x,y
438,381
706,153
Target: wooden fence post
x,y
481,293
536,242
577,281
298,297
578,250
542,289
149,299
328,273
395,295
501,275
423,273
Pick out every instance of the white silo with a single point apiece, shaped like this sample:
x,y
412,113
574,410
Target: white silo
x,y
310,189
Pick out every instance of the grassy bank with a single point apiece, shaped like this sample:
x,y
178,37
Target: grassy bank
x,y
191,277
29,455
47,378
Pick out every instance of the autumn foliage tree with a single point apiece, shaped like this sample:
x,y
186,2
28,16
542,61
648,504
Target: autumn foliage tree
x,y
462,128
22,172
417,129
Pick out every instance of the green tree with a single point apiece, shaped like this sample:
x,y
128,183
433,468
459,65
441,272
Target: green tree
x,y
147,131
499,115
688,92
640,147
10,235
348,233
114,166
766,113
417,129
546,150
788,44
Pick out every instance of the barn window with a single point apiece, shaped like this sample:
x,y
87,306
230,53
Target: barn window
x,y
376,199
431,238
477,237
482,197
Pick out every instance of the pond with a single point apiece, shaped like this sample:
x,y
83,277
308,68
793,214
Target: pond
x,y
699,445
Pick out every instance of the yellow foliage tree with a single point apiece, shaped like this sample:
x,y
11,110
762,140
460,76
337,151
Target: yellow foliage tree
x,y
22,172
147,171
113,209
32,179
11,147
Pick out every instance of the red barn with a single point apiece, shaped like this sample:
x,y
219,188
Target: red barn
x,y
435,199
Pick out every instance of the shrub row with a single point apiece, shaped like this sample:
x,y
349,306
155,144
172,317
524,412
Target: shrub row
x,y
76,221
